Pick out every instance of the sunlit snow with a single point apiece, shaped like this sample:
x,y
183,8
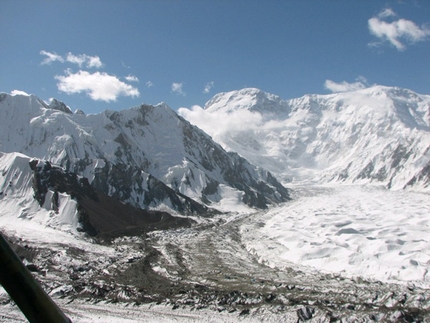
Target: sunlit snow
x,y
374,138
365,231
351,225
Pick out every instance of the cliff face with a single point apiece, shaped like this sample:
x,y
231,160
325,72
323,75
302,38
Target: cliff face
x,y
147,156
39,191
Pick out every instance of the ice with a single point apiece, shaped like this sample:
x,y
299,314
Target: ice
x,y
18,203
365,231
230,201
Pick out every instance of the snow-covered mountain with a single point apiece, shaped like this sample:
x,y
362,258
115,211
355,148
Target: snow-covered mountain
x,y
17,196
336,252
147,156
33,189
377,134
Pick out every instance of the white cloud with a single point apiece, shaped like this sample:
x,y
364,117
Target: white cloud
x,y
149,84
177,88
94,61
388,12
132,78
236,120
397,32
99,86
208,87
75,59
50,57
89,61
81,59
345,86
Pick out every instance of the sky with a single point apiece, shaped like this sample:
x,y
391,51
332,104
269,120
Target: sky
x,y
98,55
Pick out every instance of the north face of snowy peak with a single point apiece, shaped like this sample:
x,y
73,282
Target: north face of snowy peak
x,y
379,134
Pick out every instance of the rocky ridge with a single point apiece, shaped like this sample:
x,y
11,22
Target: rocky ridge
x,y
147,156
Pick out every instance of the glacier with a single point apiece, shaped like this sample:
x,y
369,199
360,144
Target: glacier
x,y
309,208
360,160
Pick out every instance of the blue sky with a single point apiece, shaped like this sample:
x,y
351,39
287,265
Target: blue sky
x,y
98,55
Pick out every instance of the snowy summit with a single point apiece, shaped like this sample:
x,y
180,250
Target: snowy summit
x,y
378,134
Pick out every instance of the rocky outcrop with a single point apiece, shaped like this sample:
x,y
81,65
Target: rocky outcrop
x,y
100,215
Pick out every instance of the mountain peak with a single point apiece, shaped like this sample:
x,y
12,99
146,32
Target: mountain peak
x,y
147,155
379,134
251,99
58,105
383,92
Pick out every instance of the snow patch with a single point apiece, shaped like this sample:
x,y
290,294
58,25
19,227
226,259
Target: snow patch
x,y
19,92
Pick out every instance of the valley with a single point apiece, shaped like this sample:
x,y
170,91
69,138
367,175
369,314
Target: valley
x,y
224,269
312,209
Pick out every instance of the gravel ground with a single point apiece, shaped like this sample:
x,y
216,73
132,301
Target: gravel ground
x,y
203,273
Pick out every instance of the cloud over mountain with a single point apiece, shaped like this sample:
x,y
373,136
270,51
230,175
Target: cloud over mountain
x,y
345,86
397,32
98,86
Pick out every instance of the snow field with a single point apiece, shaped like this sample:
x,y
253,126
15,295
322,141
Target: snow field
x,y
362,231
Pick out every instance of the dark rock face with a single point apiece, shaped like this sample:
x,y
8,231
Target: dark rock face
x,y
235,170
60,106
55,178
157,190
123,181
423,175
305,313
257,193
99,214
395,161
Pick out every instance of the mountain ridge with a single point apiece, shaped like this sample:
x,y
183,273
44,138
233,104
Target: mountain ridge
x,y
34,189
378,134
147,155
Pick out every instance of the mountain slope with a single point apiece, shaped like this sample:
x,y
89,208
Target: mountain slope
x,y
35,190
147,156
378,134
17,197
